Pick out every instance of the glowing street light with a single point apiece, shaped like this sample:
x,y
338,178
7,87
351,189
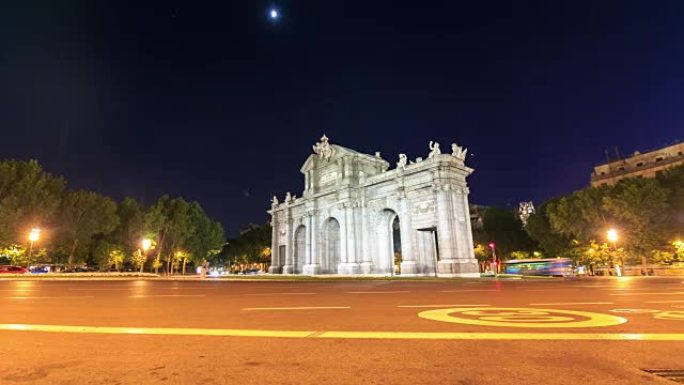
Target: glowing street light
x,y
33,236
146,244
612,236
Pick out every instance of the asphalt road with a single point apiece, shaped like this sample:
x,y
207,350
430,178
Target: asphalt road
x,y
602,330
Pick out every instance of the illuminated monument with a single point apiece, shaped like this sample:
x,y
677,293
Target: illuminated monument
x,y
358,217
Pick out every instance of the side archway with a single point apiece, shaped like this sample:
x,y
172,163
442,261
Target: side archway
x,y
300,249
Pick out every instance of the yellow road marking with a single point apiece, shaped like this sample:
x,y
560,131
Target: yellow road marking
x,y
466,290
522,317
464,305
571,303
388,335
297,308
378,292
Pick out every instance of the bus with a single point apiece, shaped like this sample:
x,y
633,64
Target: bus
x,y
560,267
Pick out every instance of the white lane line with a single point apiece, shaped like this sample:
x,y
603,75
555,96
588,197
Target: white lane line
x,y
625,294
19,290
165,295
440,306
571,303
552,290
108,289
281,293
674,301
467,291
378,292
298,308
53,297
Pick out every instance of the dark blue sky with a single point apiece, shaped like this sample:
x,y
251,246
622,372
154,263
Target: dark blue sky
x,y
217,103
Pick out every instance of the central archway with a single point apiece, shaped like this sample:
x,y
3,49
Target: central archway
x,y
388,233
331,246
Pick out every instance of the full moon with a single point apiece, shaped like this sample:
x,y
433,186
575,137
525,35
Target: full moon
x,y
274,13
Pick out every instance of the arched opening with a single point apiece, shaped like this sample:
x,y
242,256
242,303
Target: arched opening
x,y
388,233
396,244
299,249
331,246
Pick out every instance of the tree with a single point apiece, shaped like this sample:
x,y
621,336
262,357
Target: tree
x,y
169,219
109,255
506,231
481,255
252,245
207,237
82,215
539,229
29,197
580,215
640,206
672,179
131,228
138,259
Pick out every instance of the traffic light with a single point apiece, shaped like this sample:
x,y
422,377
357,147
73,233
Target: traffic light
x,y
491,245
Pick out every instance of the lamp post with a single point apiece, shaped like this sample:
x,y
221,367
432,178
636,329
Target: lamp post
x,y
495,270
612,236
146,244
34,235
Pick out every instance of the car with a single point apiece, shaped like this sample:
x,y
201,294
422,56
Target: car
x,y
12,269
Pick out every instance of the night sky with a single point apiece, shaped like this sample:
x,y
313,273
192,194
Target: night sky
x,y
221,104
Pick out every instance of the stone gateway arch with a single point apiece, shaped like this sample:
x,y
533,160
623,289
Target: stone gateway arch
x,y
356,216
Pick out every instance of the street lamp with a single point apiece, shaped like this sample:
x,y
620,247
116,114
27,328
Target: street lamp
x,y
146,244
494,258
34,235
612,236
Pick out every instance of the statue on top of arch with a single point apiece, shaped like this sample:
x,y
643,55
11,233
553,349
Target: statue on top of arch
x,y
323,148
458,151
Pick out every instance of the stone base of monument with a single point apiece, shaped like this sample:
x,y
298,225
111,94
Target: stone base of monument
x,y
312,269
456,268
366,267
274,270
409,268
288,269
348,269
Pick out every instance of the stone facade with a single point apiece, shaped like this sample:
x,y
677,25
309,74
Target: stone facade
x,y
358,217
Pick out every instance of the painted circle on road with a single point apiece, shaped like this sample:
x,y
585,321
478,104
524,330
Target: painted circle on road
x,y
674,315
522,317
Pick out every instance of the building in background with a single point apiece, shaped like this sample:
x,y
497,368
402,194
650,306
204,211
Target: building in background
x,y
646,165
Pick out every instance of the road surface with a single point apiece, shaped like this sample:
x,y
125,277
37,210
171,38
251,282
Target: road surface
x,y
556,331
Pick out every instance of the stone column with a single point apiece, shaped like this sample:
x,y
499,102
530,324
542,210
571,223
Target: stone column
x,y
366,266
312,266
288,268
452,235
349,264
408,252
275,258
